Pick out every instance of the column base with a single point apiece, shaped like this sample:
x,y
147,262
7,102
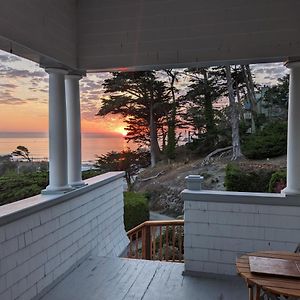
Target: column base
x,y
292,192
56,191
77,185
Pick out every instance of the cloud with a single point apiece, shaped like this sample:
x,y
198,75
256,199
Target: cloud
x,y
38,89
8,57
12,101
39,80
103,75
13,73
269,73
91,91
7,98
34,99
96,93
8,85
88,85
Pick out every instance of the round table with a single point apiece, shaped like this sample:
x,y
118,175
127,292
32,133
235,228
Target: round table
x,y
276,285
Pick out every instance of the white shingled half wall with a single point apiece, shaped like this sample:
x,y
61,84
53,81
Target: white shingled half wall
x,y
221,226
43,238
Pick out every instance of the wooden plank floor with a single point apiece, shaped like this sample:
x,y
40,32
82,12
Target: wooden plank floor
x,y
119,278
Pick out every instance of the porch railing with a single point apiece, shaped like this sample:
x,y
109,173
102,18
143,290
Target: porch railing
x,y
157,240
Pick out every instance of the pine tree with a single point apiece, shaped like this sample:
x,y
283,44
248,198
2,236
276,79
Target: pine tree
x,y
172,121
206,86
141,99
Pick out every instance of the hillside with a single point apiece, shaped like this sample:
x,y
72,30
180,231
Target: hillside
x,y
165,182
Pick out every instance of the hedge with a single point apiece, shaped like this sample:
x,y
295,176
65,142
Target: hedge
x,y
243,179
271,141
14,187
136,209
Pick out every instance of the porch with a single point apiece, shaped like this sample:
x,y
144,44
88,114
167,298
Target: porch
x,y
69,244
65,243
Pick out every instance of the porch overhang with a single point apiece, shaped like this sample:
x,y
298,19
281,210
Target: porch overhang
x,y
137,35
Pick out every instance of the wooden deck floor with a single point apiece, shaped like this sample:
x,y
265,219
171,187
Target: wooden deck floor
x,y
119,278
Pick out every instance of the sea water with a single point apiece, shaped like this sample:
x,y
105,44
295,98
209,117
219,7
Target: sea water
x,y
93,145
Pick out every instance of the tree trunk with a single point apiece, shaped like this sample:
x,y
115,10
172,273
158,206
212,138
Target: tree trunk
x,y
128,181
236,147
251,95
172,119
154,147
163,138
240,108
172,122
209,113
251,85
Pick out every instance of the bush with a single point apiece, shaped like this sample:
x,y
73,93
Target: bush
x,y
90,173
136,209
247,179
271,141
173,247
7,165
277,182
15,187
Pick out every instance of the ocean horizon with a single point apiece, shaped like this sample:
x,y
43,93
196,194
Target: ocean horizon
x,y
93,144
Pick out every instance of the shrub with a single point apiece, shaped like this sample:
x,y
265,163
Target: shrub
x,y
277,182
243,179
271,141
7,165
90,173
136,209
173,247
14,187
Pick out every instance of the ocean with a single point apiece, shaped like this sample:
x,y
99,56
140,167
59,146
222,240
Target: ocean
x,y
37,144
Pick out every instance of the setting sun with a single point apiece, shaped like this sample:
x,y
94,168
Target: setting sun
x,y
121,130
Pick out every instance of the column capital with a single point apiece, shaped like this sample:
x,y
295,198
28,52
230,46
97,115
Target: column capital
x,y
292,64
56,71
73,76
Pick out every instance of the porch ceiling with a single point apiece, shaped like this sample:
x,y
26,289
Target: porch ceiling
x,y
98,35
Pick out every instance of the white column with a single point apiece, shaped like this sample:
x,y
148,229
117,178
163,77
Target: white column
x,y
293,144
73,130
58,163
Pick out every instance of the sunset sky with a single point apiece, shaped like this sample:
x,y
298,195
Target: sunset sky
x,y
24,96
24,99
